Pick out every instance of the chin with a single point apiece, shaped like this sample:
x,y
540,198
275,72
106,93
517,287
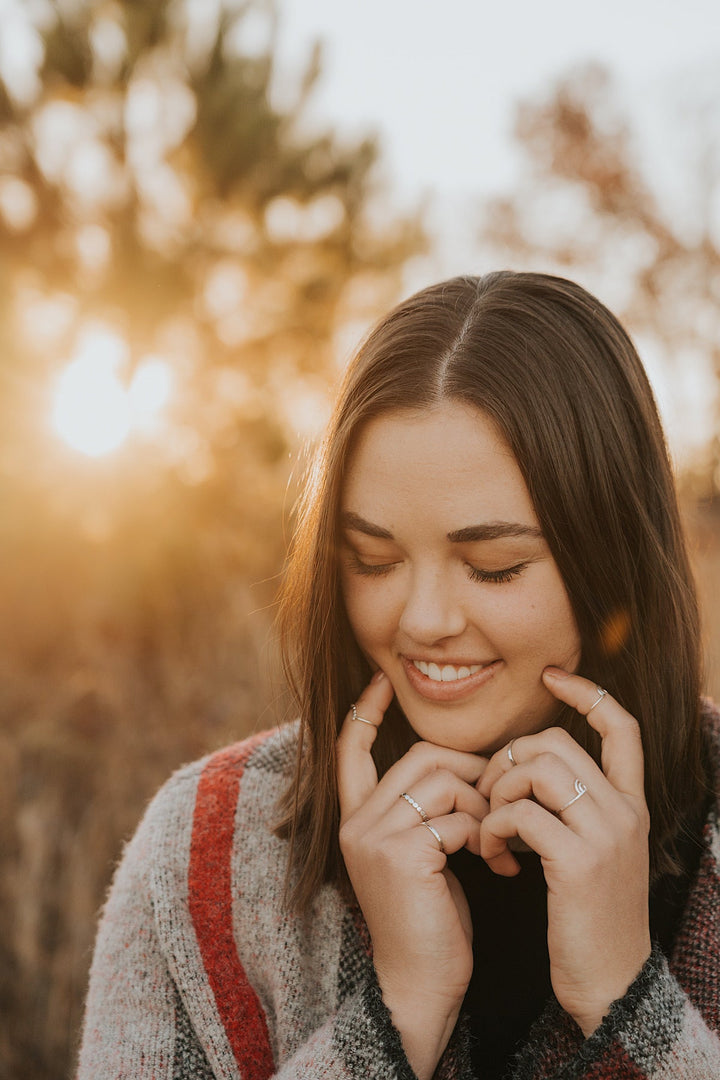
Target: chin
x,y
469,737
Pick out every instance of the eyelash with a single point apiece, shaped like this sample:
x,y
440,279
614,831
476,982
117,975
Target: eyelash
x,y
495,577
369,569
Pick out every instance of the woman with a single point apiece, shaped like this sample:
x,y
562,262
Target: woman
x,y
503,857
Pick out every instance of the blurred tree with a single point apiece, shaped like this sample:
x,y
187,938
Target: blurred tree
x,y
585,206
165,211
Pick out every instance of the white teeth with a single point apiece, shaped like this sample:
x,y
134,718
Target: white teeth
x,y
446,673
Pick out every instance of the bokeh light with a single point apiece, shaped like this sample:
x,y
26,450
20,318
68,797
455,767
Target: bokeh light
x,y
94,411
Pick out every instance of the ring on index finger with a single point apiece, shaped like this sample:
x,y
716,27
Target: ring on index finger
x,y
510,753
362,719
601,694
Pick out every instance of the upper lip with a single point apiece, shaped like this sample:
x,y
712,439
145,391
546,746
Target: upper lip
x,y
448,660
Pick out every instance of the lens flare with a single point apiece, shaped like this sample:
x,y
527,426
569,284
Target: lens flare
x,y
93,411
149,391
615,632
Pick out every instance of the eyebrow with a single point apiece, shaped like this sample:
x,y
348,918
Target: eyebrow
x,y
490,530
349,520
494,530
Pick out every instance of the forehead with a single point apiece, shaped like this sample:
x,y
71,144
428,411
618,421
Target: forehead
x,y
450,460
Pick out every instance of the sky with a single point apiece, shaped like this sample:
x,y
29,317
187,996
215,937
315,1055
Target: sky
x,y
440,82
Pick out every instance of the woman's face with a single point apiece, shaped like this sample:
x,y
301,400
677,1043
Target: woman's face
x,y
449,585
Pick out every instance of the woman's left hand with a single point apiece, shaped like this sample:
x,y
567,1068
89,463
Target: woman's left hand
x,y
594,850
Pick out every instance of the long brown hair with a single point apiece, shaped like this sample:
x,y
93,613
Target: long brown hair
x,y
560,377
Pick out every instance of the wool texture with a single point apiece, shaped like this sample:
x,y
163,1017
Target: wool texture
x,y
201,972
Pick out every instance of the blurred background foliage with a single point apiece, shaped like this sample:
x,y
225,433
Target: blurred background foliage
x,y
589,206
175,238
165,221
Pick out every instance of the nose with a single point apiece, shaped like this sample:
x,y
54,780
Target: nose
x,y
431,611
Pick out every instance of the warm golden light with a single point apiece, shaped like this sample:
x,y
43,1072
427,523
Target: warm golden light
x,y
149,392
94,412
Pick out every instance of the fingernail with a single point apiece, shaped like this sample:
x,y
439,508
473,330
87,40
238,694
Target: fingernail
x,y
378,676
556,673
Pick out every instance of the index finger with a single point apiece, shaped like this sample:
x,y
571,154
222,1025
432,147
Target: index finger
x,y
357,775
622,753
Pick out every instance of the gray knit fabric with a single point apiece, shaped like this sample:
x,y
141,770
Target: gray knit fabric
x,y
154,1009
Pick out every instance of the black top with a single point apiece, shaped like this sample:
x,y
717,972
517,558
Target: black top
x,y
510,983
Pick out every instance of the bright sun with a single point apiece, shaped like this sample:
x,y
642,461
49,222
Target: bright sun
x,y
94,411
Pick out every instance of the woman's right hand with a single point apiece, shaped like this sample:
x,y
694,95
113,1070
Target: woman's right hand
x,y
413,905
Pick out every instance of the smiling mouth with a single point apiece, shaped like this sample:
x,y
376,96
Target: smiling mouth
x,y
447,682
446,672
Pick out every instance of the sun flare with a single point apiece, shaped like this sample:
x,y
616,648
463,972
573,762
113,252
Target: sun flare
x,y
94,410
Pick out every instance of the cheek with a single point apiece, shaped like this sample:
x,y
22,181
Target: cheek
x,y
366,611
556,622
540,625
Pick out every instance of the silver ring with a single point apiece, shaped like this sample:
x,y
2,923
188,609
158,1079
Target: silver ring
x,y
361,718
436,834
415,805
580,790
601,694
510,753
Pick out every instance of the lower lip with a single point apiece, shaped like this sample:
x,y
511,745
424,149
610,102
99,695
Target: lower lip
x,y
448,691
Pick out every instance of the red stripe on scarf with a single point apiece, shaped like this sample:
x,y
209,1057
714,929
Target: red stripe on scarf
x,y
210,902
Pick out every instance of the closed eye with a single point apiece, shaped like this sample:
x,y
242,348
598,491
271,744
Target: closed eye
x,y
357,566
497,577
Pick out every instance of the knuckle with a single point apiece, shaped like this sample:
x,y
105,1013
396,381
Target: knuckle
x,y
634,730
548,760
497,798
419,750
486,830
349,837
463,819
345,836
560,739
624,721
526,811
634,821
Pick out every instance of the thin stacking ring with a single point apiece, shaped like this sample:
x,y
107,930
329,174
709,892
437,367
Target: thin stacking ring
x,y
415,805
360,718
580,790
510,753
436,834
601,694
